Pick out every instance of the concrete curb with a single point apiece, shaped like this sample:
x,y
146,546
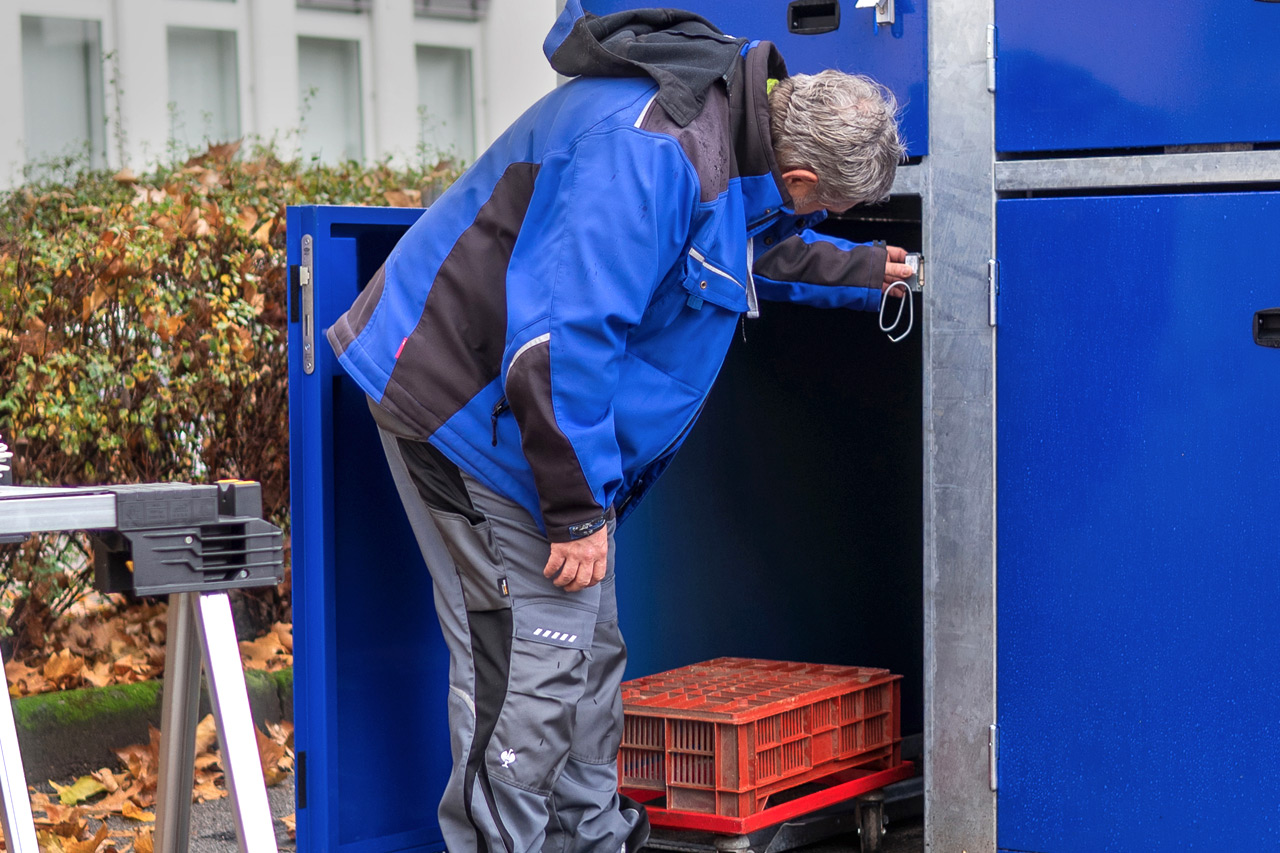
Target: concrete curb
x,y
73,732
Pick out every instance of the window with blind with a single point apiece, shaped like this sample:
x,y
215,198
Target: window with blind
x,y
446,121
332,120
62,89
204,87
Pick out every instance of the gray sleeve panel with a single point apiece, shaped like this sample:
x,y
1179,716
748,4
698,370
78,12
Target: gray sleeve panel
x,y
345,329
568,506
823,263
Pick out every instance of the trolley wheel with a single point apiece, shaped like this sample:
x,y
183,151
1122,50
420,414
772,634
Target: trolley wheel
x,y
871,822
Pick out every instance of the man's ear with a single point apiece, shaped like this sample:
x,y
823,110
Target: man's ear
x,y
800,183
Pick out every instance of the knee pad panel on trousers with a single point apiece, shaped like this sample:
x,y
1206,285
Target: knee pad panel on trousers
x,y
547,678
535,727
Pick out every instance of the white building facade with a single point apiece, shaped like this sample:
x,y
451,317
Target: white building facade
x,y
131,82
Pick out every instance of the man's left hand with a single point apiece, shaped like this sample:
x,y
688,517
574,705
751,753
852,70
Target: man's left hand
x,y
580,563
895,268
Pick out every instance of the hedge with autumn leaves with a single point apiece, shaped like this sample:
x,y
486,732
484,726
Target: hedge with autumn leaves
x,y
142,334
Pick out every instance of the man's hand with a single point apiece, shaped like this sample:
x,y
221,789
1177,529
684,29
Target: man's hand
x,y
895,270
580,563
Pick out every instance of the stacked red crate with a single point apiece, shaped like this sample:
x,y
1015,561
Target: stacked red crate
x,y
721,737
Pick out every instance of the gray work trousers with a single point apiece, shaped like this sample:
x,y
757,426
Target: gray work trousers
x,y
535,708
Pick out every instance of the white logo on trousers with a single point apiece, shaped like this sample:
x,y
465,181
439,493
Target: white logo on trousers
x,y
508,758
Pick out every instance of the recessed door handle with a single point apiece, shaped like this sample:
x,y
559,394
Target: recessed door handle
x,y
1266,327
813,17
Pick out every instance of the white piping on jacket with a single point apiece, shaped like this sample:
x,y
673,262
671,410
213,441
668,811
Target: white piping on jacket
x,y
540,339
644,113
698,256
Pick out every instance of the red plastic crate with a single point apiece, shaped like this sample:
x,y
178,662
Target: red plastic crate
x,y
721,737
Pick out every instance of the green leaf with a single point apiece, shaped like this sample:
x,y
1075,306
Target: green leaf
x,y
79,791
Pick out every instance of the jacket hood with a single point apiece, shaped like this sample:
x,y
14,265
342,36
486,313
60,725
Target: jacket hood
x,y
684,53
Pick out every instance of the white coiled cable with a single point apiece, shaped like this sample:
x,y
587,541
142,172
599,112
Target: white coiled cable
x,y
905,305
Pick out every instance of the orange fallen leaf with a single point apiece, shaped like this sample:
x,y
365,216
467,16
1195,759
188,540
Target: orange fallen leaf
x,y
206,791
206,735
130,810
89,845
284,632
107,778
266,652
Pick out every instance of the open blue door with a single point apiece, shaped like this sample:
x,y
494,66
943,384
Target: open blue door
x,y
789,528
371,732
1138,518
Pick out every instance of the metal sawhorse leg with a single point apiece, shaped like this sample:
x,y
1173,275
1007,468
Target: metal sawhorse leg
x,y
19,826
191,542
205,619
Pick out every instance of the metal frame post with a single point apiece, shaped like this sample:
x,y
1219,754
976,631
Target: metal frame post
x,y
236,734
179,711
959,427
19,825
205,619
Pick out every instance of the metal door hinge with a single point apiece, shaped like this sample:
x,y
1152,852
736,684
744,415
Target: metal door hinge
x,y
306,280
991,57
993,289
993,756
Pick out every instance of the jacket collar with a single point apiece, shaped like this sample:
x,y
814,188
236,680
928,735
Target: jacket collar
x,y
761,177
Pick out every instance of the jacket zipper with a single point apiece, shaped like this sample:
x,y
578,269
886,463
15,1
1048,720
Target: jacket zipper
x,y
670,444
501,406
498,409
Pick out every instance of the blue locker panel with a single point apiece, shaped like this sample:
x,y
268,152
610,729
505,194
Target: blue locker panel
x,y
371,668
894,55
1100,74
1138,515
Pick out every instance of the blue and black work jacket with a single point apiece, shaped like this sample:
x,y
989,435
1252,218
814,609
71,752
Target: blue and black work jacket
x,y
554,322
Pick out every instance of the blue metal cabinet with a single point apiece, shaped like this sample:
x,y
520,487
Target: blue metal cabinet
x,y
1138,513
787,528
1098,74
895,55
370,667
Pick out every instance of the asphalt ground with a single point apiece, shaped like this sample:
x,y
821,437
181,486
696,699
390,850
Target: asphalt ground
x,y
213,825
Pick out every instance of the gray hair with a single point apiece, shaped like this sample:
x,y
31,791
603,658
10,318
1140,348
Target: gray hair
x,y
843,128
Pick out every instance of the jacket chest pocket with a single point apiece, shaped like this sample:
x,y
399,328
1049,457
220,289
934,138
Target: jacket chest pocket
x,y
707,281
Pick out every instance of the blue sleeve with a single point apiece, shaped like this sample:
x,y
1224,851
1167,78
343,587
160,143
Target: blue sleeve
x,y
826,272
608,218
